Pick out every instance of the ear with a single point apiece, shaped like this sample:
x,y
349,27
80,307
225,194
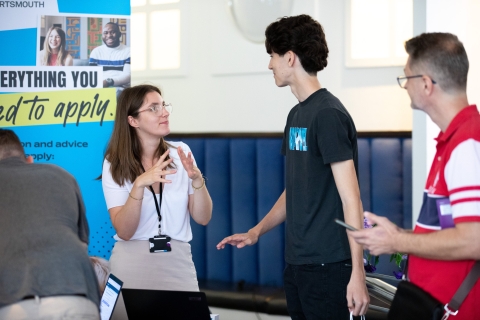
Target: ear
x,y
428,85
132,122
29,159
291,58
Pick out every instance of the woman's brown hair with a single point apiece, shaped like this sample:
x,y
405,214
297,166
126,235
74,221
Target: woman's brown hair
x,y
124,150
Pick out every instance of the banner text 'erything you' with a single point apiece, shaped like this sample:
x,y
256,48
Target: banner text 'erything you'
x,y
36,79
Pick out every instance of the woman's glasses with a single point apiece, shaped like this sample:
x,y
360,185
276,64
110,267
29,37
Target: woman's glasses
x,y
158,109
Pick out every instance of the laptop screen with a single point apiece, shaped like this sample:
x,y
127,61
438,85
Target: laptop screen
x,y
110,297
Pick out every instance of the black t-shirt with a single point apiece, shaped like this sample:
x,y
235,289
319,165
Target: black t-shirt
x,y
319,131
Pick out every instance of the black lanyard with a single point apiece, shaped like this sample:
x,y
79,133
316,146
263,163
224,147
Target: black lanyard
x,y
157,205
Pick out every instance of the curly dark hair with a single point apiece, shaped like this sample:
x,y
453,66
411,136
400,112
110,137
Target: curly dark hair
x,y
302,35
443,55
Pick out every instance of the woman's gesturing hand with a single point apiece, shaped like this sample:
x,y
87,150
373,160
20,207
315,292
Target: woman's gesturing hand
x,y
157,172
187,162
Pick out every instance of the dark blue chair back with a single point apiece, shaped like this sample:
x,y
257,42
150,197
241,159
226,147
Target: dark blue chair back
x,y
245,177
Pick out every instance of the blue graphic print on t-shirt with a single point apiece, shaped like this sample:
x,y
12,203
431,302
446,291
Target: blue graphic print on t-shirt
x,y
298,139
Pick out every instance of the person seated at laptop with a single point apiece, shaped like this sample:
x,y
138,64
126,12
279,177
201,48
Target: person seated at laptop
x,y
151,187
45,270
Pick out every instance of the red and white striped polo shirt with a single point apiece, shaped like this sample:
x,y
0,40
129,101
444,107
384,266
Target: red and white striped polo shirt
x,y
454,175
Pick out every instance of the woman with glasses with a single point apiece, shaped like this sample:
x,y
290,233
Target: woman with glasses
x,y
152,187
54,52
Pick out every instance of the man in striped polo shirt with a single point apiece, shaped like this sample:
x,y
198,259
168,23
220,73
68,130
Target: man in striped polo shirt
x,y
446,240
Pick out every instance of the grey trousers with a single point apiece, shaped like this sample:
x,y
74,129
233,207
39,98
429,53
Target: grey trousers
x,y
52,308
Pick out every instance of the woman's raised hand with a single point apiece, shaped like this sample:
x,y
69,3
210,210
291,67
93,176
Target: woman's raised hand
x,y
157,172
187,162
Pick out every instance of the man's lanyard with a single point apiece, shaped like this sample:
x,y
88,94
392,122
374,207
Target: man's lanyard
x,y
157,205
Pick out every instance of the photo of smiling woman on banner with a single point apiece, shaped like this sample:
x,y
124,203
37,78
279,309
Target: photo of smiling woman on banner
x,y
54,52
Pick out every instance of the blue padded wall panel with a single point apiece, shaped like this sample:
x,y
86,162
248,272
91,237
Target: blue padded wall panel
x,y
387,187
364,171
198,243
245,177
407,183
217,166
387,182
270,185
244,206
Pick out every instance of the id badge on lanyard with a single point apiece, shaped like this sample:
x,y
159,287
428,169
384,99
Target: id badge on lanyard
x,y
444,210
160,242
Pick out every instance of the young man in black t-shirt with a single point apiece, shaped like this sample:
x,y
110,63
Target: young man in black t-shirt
x,y
324,276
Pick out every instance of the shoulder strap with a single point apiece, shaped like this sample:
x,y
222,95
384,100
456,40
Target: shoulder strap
x,y
465,287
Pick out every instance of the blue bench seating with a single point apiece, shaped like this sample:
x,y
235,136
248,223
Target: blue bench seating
x,y
245,177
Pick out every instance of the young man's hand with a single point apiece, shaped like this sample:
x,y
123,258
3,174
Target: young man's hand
x,y
239,240
357,295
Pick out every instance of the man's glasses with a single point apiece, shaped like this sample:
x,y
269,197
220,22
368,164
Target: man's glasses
x,y
402,80
158,109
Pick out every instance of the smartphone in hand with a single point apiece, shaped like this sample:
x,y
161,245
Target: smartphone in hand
x,y
343,224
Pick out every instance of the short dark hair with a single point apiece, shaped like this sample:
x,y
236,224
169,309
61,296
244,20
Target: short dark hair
x,y
10,145
443,55
302,35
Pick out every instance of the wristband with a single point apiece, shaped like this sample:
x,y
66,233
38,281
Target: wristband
x,y
203,185
136,198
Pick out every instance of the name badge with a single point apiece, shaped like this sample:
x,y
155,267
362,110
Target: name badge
x,y
160,243
444,210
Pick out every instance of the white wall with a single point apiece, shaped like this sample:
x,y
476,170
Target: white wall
x,y
227,86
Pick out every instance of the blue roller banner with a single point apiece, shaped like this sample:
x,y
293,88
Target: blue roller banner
x,y
62,114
